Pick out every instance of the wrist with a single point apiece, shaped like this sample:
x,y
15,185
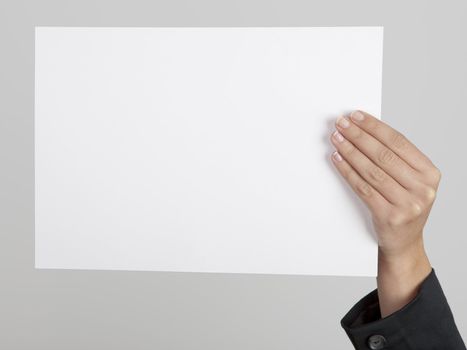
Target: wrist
x,y
400,274
407,259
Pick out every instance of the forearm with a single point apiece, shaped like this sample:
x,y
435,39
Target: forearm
x,y
400,275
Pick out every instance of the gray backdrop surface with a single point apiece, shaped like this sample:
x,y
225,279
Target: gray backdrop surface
x,y
424,90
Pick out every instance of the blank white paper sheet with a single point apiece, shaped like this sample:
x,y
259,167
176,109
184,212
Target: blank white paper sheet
x,y
200,149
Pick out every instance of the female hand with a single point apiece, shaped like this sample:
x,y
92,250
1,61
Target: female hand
x,y
398,184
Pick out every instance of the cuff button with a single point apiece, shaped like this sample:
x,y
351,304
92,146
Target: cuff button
x,y
376,342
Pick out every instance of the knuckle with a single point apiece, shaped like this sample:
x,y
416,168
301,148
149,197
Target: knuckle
x,y
408,213
372,125
364,189
386,156
349,149
415,209
435,175
396,219
399,141
347,173
377,174
428,194
356,133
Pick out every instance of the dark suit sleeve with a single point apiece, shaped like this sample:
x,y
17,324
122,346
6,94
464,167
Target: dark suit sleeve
x,y
425,323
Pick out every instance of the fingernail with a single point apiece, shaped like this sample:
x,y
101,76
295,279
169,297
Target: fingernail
x,y
337,156
357,116
342,122
338,136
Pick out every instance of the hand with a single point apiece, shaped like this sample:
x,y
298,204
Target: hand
x,y
398,183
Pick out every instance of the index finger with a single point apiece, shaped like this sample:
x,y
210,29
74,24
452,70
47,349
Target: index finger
x,y
393,139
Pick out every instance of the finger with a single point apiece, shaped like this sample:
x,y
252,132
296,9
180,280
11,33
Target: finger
x,y
393,139
369,171
381,155
372,199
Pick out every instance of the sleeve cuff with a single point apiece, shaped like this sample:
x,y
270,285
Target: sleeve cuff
x,y
427,319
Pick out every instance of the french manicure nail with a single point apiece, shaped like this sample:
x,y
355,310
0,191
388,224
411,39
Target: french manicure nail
x,y
337,156
342,122
357,116
338,136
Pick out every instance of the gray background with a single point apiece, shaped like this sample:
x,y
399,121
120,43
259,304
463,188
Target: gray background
x,y
425,86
